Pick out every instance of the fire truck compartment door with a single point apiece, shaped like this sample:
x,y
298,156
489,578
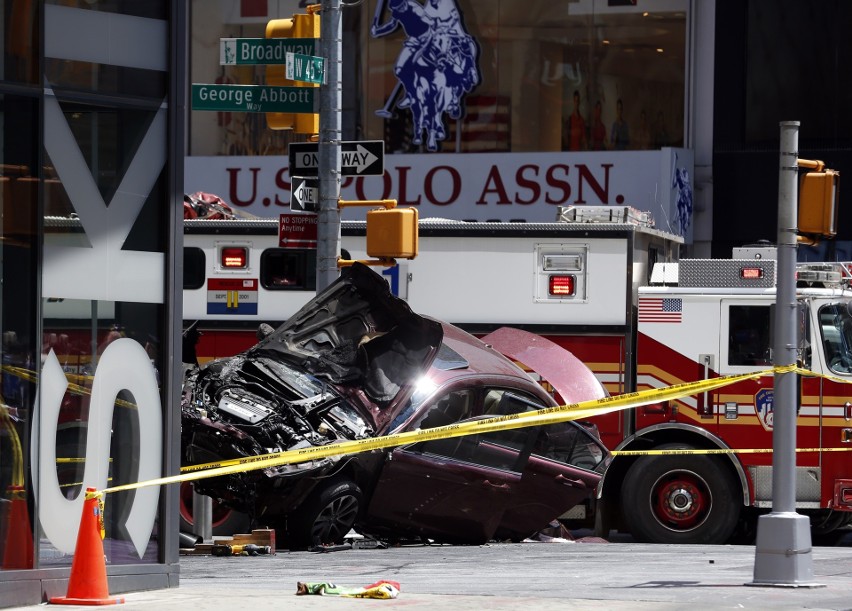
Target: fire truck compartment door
x,y
568,375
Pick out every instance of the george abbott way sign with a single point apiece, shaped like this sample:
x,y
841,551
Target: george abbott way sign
x,y
357,158
254,98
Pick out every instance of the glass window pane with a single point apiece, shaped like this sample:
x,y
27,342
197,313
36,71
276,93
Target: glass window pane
x,y
501,76
193,268
284,269
21,20
550,77
749,336
18,324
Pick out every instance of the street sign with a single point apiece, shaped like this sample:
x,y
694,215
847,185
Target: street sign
x,y
304,194
260,51
357,158
254,98
307,68
297,231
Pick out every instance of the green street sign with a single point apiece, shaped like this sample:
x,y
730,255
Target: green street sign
x,y
255,51
254,98
307,68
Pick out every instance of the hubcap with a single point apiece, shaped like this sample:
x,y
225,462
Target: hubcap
x,y
681,500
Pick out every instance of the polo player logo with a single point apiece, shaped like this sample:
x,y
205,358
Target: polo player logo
x,y
683,197
437,66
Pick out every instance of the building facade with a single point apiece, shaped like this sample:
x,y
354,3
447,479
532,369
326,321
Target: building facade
x,y
92,180
488,109
700,86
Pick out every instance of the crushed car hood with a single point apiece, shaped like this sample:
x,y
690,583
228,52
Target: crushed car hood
x,y
568,375
357,333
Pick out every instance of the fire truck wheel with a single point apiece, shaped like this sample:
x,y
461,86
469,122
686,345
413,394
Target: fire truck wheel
x,y
326,517
225,521
684,499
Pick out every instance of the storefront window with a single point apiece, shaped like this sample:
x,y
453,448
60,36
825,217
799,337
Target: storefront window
x,y
104,303
77,335
105,172
18,312
553,75
474,75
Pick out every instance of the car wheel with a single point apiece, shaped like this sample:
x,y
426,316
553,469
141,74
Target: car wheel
x,y
224,521
680,499
326,517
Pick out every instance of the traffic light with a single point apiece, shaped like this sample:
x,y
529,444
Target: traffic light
x,y
818,203
299,26
392,233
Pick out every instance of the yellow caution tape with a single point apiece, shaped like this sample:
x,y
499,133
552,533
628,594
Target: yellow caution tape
x,y
694,451
550,415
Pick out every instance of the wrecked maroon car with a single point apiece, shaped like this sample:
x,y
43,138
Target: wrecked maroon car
x,y
356,362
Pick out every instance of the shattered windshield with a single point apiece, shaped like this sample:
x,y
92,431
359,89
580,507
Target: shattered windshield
x,y
836,323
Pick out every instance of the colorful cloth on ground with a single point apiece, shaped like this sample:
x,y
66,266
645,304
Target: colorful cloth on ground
x,y
381,589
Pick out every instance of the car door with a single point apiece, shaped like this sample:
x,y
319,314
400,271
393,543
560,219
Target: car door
x,y
560,474
453,489
561,471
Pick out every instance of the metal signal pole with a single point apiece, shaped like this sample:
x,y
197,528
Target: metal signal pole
x,y
783,550
328,159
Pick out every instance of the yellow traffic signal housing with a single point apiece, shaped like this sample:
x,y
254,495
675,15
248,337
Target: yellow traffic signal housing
x,y
392,234
299,26
818,203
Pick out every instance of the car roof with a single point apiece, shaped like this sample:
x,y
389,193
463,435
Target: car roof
x,y
479,358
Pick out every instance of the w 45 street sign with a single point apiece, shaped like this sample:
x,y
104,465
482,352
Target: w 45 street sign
x,y
307,68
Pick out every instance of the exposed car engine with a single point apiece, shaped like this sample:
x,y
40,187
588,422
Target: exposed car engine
x,y
239,407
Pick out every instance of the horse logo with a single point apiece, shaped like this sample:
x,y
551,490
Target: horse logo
x,y
683,197
437,66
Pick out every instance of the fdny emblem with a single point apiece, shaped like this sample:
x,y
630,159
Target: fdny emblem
x,y
437,66
764,406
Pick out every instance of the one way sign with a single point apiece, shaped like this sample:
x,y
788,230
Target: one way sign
x,y
304,194
357,158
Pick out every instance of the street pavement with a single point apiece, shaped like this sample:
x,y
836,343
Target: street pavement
x,y
584,574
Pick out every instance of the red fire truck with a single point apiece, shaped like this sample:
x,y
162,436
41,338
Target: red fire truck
x,y
605,283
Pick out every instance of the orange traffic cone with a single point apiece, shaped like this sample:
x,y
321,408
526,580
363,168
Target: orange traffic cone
x,y
88,582
18,553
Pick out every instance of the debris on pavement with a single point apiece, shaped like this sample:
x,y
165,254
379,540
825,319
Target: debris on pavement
x,y
260,541
381,589
359,541
249,549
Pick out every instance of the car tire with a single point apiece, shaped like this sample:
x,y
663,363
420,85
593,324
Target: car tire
x,y
680,499
225,522
326,517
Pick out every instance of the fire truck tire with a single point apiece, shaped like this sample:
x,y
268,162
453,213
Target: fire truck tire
x,y
225,521
326,517
683,499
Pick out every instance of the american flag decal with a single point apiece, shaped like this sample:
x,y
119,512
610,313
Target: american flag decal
x,y
660,309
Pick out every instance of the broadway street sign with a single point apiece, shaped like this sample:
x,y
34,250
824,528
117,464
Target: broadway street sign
x,y
254,51
357,158
254,98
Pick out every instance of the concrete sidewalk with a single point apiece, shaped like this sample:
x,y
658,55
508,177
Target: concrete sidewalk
x,y
505,576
